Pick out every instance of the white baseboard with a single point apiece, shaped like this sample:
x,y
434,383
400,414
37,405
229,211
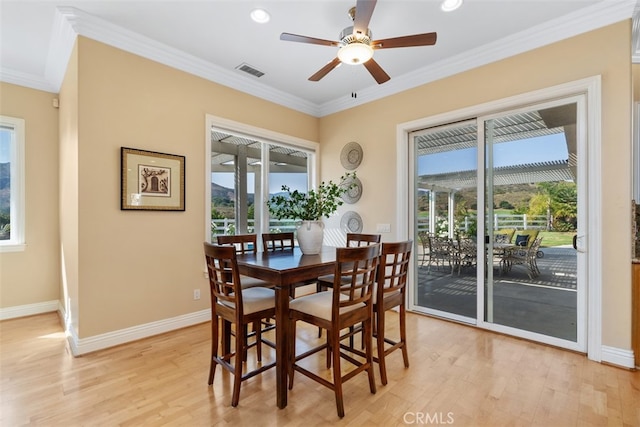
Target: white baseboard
x,y
618,356
28,309
81,346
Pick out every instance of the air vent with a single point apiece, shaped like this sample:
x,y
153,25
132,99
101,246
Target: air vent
x,y
250,70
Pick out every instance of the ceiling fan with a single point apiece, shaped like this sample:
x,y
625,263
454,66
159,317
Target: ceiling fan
x,y
356,46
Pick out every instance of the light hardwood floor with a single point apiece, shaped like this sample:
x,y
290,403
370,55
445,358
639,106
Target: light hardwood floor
x,y
459,376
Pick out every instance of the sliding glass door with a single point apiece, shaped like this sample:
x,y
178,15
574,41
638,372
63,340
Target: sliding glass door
x,y
498,206
532,217
445,214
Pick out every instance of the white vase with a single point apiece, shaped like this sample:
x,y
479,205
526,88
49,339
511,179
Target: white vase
x,y
310,236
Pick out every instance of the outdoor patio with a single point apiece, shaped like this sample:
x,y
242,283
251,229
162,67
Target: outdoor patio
x,y
545,304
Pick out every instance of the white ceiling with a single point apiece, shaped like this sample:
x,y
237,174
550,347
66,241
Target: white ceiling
x,y
211,38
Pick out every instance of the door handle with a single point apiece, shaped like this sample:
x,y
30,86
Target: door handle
x,y
575,243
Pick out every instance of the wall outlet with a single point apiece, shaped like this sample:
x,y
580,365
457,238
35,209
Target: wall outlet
x,y
383,228
196,294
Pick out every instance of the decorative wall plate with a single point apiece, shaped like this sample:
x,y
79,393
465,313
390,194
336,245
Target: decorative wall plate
x,y
351,156
351,222
353,194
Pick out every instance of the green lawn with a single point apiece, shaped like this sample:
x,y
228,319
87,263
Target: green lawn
x,y
556,238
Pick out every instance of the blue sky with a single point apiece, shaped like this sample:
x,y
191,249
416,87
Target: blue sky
x,y
523,151
5,139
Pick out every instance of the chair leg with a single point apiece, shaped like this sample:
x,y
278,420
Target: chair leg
x,y
292,352
337,374
403,335
214,347
380,341
241,354
257,326
369,355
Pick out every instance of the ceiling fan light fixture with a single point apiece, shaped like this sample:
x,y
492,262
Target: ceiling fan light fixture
x,y
355,53
450,5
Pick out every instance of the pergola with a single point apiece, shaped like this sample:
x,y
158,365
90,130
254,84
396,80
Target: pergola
x,y
531,124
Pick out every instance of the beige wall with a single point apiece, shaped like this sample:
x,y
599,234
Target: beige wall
x,y
139,267
603,52
33,276
125,269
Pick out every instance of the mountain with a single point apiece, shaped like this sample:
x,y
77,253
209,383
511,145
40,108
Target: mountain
x,y
5,175
223,196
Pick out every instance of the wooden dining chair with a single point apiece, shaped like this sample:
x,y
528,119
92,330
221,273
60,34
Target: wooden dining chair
x,y
233,304
280,242
248,244
350,303
273,242
353,240
391,281
244,244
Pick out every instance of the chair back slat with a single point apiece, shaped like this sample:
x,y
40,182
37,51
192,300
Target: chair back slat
x,y
359,239
224,278
393,268
272,242
354,276
244,243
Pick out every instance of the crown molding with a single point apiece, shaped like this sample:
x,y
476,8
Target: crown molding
x,y
71,22
100,30
33,81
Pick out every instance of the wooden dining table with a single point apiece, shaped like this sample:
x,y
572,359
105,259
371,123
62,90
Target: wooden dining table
x,y
284,269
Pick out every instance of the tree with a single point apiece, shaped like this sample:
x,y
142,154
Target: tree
x,y
559,199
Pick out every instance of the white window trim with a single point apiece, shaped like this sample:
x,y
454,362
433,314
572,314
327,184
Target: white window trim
x,y
17,209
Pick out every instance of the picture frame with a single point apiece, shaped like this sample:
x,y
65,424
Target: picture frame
x,y
151,181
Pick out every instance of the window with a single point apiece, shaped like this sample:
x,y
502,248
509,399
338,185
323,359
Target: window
x,y
12,236
244,166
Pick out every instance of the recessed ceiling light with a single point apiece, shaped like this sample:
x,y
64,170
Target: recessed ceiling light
x,y
260,16
450,5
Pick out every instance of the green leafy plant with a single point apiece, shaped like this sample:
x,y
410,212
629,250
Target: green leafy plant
x,y
311,206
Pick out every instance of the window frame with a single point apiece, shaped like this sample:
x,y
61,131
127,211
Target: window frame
x,y
17,242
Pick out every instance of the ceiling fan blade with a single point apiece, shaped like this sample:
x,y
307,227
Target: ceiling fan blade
x,y
364,10
304,39
376,71
325,70
426,39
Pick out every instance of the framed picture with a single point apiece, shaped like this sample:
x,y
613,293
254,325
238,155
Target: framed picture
x,y
151,181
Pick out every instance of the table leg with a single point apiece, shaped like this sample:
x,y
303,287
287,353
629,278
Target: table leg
x,y
282,332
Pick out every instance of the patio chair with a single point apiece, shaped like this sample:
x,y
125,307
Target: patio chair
x,y
464,255
423,237
440,250
526,256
